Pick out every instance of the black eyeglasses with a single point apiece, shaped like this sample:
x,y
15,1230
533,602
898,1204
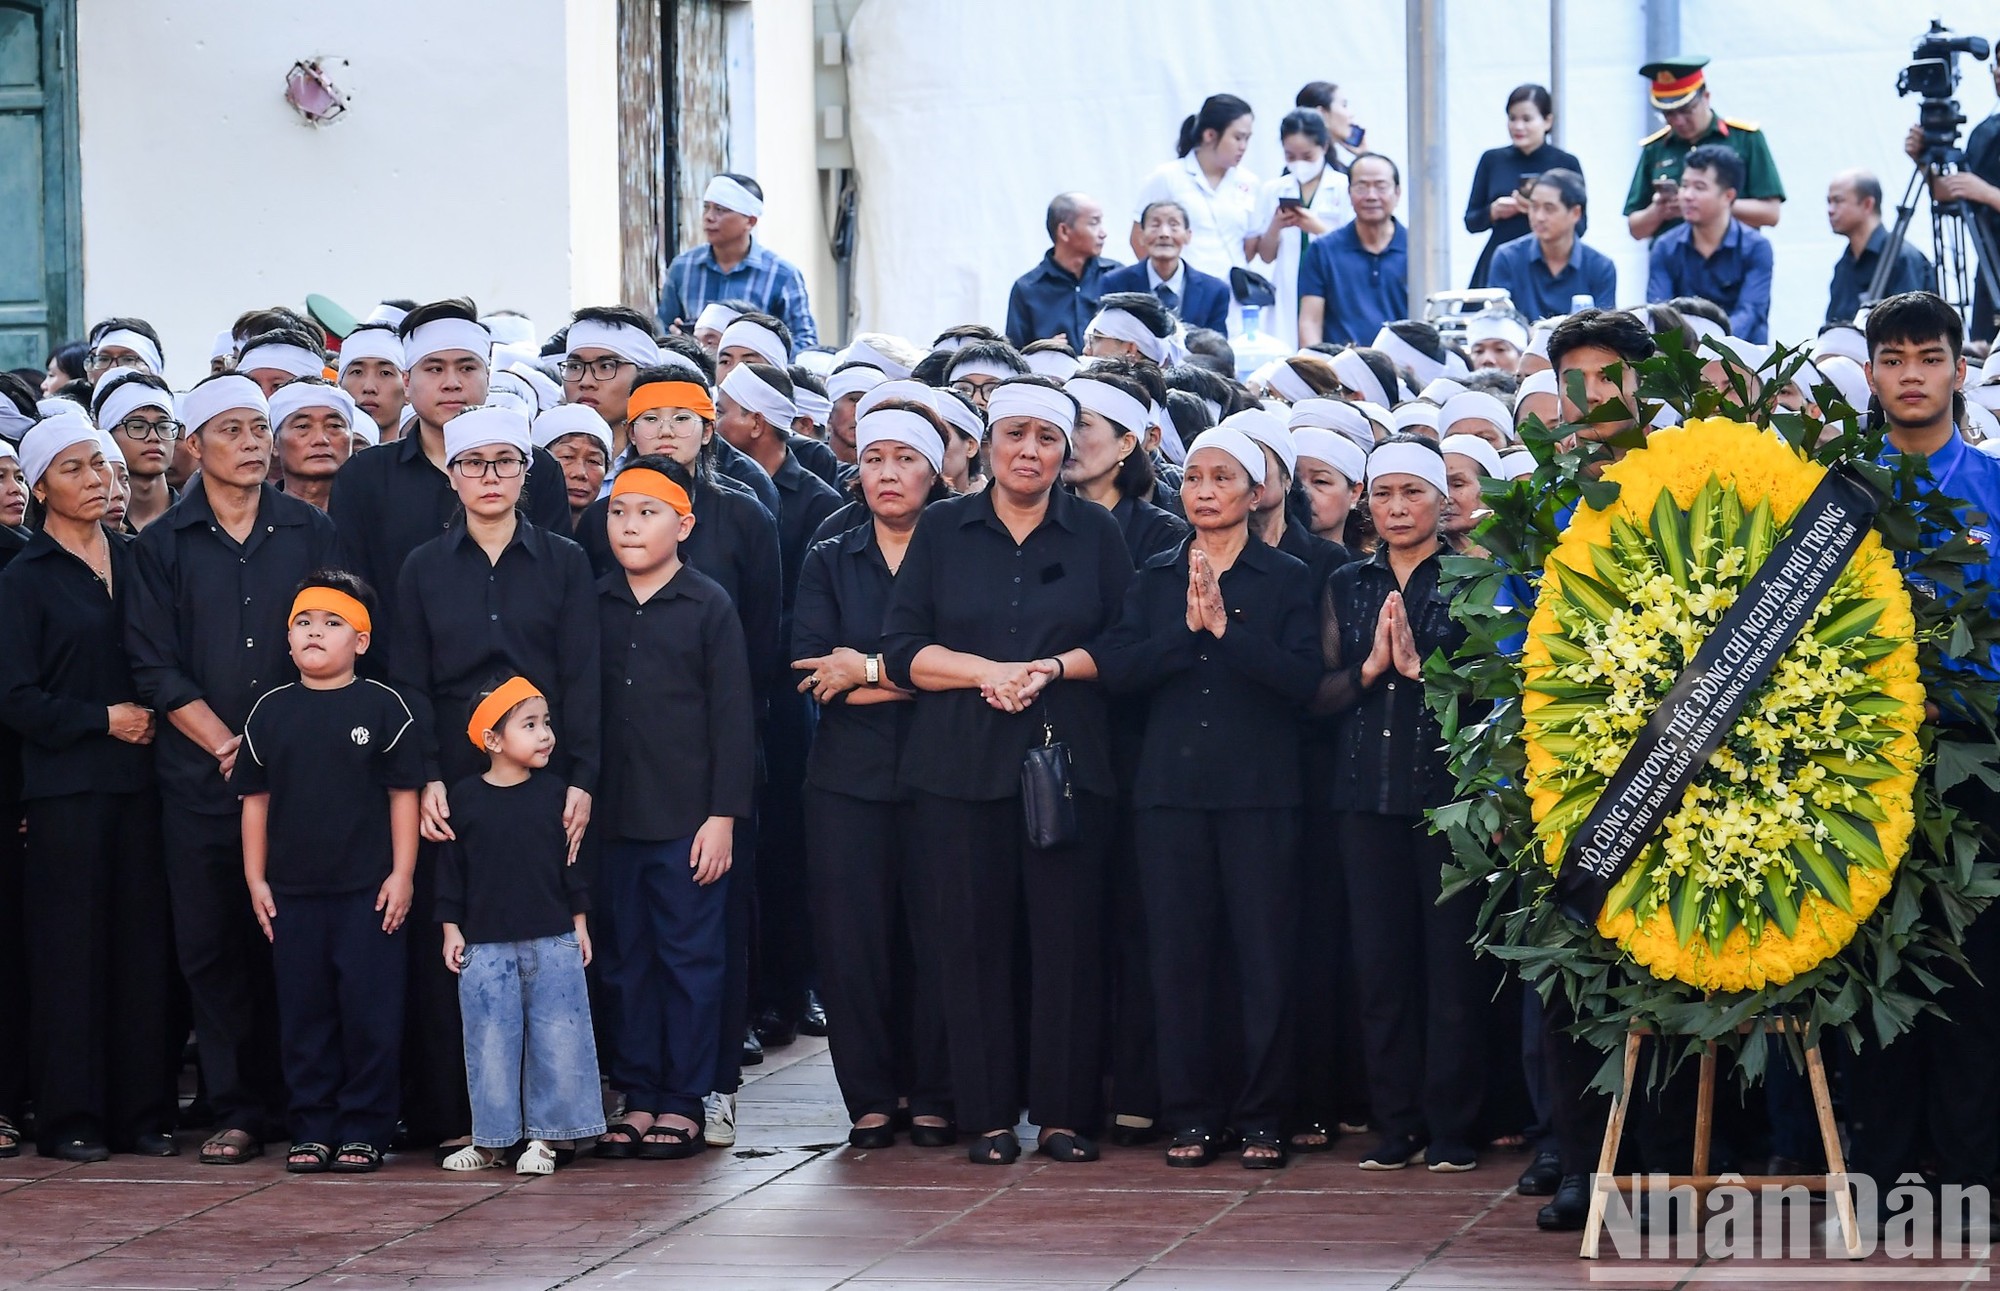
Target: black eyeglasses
x,y
603,369
100,361
974,389
473,468
166,430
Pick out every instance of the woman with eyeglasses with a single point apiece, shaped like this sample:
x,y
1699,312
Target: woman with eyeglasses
x,y
495,595
137,410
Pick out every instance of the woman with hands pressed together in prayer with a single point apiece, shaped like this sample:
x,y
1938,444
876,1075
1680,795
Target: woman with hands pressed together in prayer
x,y
995,608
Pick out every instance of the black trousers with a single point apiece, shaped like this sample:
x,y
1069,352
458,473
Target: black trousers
x,y
739,933
13,964
1332,1081
1422,991
435,1104
885,1017
784,920
979,876
99,967
227,965
1133,1026
340,982
1221,905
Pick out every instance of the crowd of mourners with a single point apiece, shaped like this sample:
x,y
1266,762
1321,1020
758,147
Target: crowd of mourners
x,y
489,743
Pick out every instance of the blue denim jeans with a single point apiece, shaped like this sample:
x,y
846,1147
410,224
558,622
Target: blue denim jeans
x,y
530,1060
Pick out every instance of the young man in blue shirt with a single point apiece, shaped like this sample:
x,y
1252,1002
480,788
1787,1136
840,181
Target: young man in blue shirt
x,y
1545,272
1357,277
1712,254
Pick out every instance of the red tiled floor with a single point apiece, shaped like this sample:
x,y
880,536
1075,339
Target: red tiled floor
x,y
791,1209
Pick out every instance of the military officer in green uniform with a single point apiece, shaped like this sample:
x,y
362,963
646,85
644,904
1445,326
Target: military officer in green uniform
x,y
1679,92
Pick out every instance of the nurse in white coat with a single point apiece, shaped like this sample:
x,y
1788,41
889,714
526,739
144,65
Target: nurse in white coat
x,y
1210,184
1308,201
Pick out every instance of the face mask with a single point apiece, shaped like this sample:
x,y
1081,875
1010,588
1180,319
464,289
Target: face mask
x,y
1305,171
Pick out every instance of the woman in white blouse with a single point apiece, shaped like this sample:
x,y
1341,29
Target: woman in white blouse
x,y
1210,184
1308,201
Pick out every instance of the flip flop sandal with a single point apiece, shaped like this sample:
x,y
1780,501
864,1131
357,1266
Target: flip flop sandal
x,y
624,1146
468,1158
308,1158
246,1148
371,1159
537,1158
1067,1147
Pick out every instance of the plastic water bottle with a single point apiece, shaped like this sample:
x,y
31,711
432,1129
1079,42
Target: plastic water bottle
x,y
1580,302
1254,347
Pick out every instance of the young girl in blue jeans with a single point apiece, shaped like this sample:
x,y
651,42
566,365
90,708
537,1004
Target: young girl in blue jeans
x,y
513,905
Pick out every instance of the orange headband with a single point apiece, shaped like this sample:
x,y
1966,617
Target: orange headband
x,y
333,601
670,394
646,480
514,690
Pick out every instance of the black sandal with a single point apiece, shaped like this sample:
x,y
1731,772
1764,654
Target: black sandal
x,y
994,1149
370,1162
679,1144
10,1139
933,1136
625,1146
246,1145
1275,1143
1186,1139
1325,1133
316,1158
1066,1147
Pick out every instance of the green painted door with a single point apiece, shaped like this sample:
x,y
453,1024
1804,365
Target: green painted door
x,y
41,286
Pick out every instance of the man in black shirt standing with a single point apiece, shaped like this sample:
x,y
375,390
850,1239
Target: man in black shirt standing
x,y
1854,211
389,502
206,633
1058,297
1977,184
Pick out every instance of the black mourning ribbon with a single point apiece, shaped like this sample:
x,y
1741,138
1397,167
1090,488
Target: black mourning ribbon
x,y
1697,713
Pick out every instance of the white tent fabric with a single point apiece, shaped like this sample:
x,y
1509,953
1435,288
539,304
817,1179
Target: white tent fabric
x,y
966,119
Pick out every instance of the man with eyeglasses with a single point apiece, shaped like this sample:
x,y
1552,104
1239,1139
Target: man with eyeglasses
x,y
137,409
1357,278
978,366
608,345
123,344
206,632
1678,90
389,501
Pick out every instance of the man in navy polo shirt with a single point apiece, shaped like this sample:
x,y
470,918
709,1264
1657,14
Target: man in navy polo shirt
x,y
1545,273
1713,254
1357,277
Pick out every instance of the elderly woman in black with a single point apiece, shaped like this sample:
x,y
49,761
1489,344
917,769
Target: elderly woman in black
x,y
494,595
1418,982
886,1045
996,604
95,886
1220,636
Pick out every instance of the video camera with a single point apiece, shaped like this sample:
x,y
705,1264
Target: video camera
x,y
1933,76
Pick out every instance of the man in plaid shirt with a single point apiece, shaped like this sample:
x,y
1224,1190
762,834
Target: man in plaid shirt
x,y
733,267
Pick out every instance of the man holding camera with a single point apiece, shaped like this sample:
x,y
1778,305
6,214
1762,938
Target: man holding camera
x,y
1678,90
1977,184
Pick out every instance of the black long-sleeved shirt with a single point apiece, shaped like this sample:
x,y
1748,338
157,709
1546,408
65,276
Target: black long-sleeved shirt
x,y
1223,714
207,621
1388,747
507,876
735,542
844,595
966,585
1148,529
1500,172
804,503
62,665
732,463
816,457
469,622
12,542
679,719
1321,556
388,501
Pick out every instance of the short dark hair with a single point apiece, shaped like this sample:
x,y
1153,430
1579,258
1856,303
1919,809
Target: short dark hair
x,y
749,184
1394,173
371,328
342,581
774,377
690,349
123,376
1144,306
252,321
1307,122
805,379
1049,345
770,322
616,314
1610,329
1420,336
139,325
1493,381
17,391
1700,307
1661,318
308,341
1915,316
1188,413
666,466
1535,94
1147,376
1719,160
1211,349
995,351
967,332
1568,185
932,369
1063,209
1201,382
458,307
1868,189
1316,94
660,372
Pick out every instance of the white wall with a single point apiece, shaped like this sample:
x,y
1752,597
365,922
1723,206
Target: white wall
x,y
793,223
205,194
967,119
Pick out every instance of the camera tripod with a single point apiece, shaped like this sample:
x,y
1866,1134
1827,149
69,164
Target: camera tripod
x,y
1952,226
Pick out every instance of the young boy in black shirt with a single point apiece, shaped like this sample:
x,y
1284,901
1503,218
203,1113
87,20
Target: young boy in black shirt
x,y
329,774
679,745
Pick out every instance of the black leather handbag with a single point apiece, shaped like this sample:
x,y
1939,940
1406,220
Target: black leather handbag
x,y
1048,802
